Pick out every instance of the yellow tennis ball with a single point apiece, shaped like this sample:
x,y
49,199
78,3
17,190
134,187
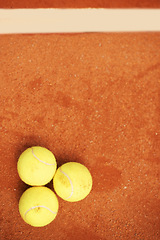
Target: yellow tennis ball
x,y
38,206
36,166
72,181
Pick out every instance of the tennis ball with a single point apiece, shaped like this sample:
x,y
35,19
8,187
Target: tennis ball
x,y
36,166
38,206
72,181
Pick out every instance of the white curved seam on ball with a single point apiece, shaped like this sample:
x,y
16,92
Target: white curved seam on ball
x,y
38,207
40,159
70,183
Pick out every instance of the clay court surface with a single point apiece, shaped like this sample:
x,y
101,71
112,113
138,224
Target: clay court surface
x,y
90,98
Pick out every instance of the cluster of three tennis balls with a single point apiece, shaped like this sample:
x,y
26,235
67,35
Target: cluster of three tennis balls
x,y
37,166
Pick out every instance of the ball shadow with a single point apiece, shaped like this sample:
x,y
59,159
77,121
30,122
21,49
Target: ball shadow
x,y
21,188
62,159
27,142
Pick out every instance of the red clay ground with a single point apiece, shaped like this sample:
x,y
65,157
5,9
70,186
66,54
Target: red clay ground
x,y
90,98
79,4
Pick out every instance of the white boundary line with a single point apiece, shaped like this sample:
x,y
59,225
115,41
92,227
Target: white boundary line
x,y
20,21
